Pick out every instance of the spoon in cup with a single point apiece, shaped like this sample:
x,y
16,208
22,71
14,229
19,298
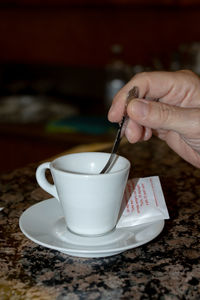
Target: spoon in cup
x,y
133,93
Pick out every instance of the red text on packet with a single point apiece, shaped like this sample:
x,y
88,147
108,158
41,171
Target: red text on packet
x,y
145,195
141,202
156,201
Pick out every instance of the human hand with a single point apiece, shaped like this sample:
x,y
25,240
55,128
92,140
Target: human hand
x,y
174,119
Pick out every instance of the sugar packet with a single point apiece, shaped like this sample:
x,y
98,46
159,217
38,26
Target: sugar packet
x,y
143,202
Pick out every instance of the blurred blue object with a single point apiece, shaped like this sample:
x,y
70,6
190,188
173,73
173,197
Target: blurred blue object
x,y
82,124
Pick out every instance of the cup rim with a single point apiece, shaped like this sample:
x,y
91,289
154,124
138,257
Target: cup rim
x,y
52,165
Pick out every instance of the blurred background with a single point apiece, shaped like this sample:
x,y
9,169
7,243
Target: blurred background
x,y
62,61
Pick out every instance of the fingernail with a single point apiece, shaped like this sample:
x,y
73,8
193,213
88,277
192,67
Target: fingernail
x,y
140,108
111,109
147,134
129,134
111,113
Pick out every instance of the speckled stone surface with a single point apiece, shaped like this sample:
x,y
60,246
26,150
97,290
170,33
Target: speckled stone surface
x,y
166,268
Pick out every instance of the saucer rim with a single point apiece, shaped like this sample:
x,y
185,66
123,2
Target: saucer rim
x,y
72,251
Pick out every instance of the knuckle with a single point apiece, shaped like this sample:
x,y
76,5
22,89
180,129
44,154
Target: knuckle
x,y
190,75
164,114
141,75
186,71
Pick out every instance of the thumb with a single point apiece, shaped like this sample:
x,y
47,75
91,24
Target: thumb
x,y
157,115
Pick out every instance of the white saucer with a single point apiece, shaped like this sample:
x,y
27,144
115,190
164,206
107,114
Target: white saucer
x,y
44,224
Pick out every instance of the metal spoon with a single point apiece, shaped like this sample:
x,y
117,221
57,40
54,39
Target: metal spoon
x,y
133,93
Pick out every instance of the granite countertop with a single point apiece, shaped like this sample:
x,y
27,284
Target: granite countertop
x,y
168,267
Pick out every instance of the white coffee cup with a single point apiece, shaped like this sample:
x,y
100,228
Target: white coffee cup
x,y
90,201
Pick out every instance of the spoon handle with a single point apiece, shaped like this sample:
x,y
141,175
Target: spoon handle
x,y
133,93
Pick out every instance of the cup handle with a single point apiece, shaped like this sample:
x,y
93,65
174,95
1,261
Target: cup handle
x,y
43,182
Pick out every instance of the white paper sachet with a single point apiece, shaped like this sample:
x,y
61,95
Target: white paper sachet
x,y
143,202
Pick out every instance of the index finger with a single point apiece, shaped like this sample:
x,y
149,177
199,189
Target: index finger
x,y
152,85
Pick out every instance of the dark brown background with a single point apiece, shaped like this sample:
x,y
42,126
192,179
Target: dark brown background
x,y
79,34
